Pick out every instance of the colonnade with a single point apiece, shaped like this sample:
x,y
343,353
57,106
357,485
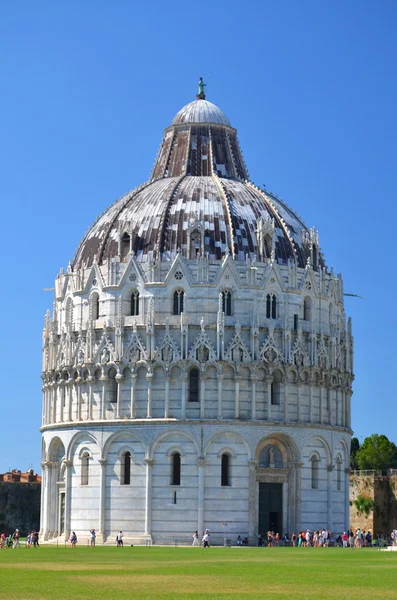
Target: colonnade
x,y
63,400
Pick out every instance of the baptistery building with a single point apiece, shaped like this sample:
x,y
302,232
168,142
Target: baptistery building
x,y
197,364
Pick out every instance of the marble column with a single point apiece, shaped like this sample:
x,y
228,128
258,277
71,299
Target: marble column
x,y
299,410
167,396
90,381
202,395
237,380
183,396
285,400
149,378
347,505
329,404
310,401
330,468
79,382
54,403
253,497
200,502
104,379
253,397
132,397
119,379
101,534
220,393
321,415
269,398
70,399
44,501
62,405
148,498
298,487
68,489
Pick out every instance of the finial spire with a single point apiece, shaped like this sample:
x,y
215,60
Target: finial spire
x,y
201,86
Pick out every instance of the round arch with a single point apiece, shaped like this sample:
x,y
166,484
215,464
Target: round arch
x,y
165,434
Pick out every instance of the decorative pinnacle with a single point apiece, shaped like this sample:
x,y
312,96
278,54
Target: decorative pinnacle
x,y
201,86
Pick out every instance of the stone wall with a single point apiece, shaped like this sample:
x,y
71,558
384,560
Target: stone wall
x,y
19,507
382,490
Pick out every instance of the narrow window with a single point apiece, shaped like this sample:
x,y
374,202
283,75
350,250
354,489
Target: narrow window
x,y
112,386
174,498
296,322
338,474
195,244
225,470
125,245
126,469
85,468
268,306
134,304
178,302
95,306
194,382
176,469
314,460
227,303
274,307
307,309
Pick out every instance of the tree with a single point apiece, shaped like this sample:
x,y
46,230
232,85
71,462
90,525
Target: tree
x,y
354,448
377,452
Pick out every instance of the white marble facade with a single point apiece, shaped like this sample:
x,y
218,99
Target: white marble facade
x,y
149,357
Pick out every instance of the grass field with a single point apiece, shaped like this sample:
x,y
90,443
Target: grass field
x,y
216,573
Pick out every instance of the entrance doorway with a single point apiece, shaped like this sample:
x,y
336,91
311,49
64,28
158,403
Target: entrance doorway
x,y
270,508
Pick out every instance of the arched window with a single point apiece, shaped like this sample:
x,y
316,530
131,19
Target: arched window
x,y
176,469
126,469
275,391
177,307
134,309
225,470
314,460
112,386
85,458
307,309
95,306
227,302
194,385
338,473
125,245
271,306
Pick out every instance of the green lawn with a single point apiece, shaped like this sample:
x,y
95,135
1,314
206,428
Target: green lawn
x,y
216,573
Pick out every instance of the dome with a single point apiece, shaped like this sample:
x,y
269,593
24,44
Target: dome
x,y
199,177
201,111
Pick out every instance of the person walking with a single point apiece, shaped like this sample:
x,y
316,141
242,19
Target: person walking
x,y
93,537
73,539
196,541
16,539
206,539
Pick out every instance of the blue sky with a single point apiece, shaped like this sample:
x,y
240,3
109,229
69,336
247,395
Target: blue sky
x,y
87,89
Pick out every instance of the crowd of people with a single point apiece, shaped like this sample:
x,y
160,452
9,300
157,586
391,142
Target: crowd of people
x,y
13,540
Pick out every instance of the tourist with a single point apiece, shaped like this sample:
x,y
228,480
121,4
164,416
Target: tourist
x,y
93,537
261,539
119,539
196,541
73,539
16,539
345,539
206,539
245,541
239,541
35,539
293,539
28,540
